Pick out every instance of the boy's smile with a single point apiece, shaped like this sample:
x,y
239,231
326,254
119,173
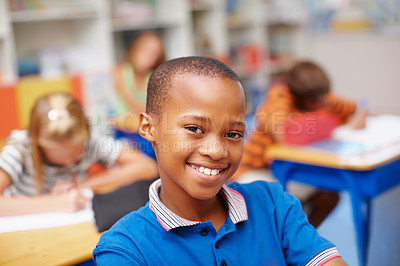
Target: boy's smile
x,y
199,137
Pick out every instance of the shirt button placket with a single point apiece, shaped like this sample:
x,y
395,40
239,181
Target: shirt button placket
x,y
204,232
223,263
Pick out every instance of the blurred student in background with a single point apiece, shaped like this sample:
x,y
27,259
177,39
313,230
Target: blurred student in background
x,y
144,54
43,169
305,88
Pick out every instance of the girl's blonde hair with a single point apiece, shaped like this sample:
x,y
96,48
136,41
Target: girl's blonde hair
x,y
141,39
54,117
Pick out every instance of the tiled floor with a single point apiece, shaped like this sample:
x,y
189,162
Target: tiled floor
x,y
338,227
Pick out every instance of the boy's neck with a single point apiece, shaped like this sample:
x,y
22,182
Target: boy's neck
x,y
214,210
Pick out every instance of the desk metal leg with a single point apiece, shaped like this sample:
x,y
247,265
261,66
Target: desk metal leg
x,y
361,221
361,207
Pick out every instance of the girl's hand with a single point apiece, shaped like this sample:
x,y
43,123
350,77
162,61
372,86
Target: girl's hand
x,y
62,187
72,201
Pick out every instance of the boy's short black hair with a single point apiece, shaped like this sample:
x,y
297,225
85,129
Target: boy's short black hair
x,y
307,81
161,79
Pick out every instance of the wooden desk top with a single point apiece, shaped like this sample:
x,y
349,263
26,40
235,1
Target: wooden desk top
x,y
64,245
363,161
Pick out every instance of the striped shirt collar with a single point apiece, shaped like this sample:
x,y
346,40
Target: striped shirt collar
x,y
169,220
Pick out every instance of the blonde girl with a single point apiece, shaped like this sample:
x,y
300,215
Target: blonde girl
x,y
42,169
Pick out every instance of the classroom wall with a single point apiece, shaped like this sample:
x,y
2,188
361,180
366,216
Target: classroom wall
x,y
362,65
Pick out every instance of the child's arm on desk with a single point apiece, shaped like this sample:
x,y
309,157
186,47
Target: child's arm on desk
x,y
133,166
70,201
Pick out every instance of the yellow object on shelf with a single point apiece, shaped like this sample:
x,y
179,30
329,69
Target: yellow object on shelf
x,y
350,18
348,25
29,89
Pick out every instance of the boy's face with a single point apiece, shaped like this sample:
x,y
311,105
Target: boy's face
x,y
199,135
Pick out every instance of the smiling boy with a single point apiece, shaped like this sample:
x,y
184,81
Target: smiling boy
x,y
195,119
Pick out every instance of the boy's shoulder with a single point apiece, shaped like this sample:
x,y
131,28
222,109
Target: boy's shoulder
x,y
142,220
134,231
257,188
265,195
141,217
145,219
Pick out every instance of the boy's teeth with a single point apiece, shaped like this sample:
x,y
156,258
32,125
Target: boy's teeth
x,y
214,172
206,171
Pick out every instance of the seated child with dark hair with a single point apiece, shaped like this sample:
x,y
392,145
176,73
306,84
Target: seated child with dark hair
x,y
304,90
195,119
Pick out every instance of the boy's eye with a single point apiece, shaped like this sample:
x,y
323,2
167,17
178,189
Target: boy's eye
x,y
234,135
194,129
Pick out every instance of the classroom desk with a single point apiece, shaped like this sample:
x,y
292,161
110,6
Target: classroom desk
x,y
364,176
63,245
60,245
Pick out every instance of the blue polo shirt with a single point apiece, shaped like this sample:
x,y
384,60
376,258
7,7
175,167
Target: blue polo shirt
x,y
265,226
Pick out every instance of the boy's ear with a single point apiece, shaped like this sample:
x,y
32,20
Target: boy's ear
x,y
146,127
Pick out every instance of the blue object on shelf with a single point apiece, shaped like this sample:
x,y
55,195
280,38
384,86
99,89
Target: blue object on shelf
x,y
231,6
27,68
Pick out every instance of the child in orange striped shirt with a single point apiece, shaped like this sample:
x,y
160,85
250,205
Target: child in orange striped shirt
x,y
306,89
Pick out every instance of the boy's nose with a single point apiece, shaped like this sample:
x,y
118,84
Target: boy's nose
x,y
214,148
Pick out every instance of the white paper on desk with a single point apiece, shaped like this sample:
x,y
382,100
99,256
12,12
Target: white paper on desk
x,y
44,220
341,148
49,219
380,131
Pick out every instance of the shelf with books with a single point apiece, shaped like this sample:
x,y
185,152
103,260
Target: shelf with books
x,y
170,18
55,37
35,10
7,66
209,33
